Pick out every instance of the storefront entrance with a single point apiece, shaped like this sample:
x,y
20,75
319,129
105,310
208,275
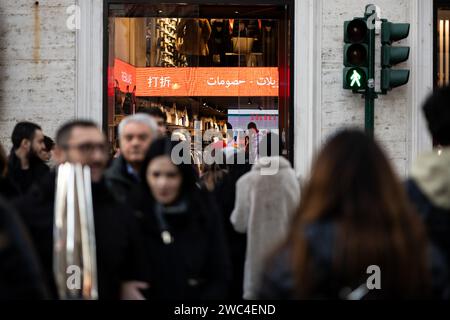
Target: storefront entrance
x,y
206,66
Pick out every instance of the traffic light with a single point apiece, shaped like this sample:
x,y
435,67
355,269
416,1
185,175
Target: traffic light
x,y
356,54
391,56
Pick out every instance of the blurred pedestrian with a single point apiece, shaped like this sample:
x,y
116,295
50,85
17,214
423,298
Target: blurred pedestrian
x,y
160,118
266,200
20,274
429,184
46,154
213,174
118,250
136,133
182,231
238,164
354,218
25,166
253,141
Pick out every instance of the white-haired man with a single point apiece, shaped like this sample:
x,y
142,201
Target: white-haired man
x,y
136,133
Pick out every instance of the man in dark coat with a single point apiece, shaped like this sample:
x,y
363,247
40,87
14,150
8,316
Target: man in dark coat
x,y
118,251
135,134
20,275
25,167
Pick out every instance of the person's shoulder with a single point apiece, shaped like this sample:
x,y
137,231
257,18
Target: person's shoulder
x,y
116,168
248,178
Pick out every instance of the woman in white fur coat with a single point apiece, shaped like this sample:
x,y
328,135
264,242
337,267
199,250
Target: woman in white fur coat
x,y
266,200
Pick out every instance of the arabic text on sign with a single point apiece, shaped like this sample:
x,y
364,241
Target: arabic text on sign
x,y
225,83
268,81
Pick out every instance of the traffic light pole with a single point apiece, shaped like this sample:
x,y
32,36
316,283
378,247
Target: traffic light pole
x,y
370,95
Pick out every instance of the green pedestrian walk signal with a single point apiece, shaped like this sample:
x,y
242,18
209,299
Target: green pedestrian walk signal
x,y
356,78
356,54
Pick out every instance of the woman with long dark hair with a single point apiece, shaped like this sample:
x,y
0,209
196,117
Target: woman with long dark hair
x,y
181,229
354,231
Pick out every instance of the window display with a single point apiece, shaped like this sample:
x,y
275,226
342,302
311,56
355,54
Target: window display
x,y
206,67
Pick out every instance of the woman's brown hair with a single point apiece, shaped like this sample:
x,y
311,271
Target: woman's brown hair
x,y
353,186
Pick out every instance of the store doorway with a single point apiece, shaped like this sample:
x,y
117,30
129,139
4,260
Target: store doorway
x,y
442,43
206,66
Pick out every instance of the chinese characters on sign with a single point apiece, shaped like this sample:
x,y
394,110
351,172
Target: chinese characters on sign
x,y
159,82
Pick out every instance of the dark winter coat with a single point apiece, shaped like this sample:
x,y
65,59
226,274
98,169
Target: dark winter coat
x,y
195,265
22,180
124,187
225,195
20,275
8,189
118,249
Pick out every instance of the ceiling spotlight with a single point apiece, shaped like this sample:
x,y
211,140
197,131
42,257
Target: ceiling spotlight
x,y
160,11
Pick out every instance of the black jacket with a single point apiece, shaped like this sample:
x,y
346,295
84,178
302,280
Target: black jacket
x,y
124,187
195,266
20,275
437,220
119,254
278,280
8,189
225,195
22,180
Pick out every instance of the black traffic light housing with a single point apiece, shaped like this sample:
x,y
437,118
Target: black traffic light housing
x,y
356,54
391,56
359,59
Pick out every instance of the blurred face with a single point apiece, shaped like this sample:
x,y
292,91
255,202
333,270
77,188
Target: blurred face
x,y
134,142
87,146
45,155
162,129
37,146
164,180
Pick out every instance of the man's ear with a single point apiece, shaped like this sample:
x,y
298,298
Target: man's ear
x,y
59,155
25,144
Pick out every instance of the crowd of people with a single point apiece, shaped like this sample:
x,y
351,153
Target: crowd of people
x,y
165,230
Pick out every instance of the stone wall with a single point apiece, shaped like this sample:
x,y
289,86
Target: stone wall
x,y
37,65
